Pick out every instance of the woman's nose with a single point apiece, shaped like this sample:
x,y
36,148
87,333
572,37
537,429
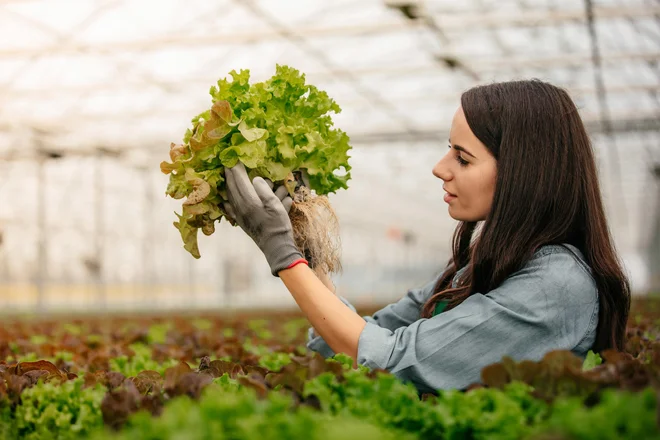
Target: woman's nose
x,y
441,171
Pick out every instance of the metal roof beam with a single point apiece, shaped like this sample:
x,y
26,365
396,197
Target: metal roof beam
x,y
429,97
532,18
593,125
577,60
621,123
537,17
187,112
169,41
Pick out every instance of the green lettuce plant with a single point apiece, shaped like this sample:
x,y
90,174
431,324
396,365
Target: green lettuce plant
x,y
280,129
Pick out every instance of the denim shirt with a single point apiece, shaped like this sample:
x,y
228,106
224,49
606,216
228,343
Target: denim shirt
x,y
550,304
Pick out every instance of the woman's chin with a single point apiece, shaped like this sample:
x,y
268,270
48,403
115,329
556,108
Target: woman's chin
x,y
453,214
465,218
460,216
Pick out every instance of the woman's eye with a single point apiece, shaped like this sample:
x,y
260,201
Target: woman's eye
x,y
462,161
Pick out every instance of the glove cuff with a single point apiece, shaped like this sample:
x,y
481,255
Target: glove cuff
x,y
284,257
297,262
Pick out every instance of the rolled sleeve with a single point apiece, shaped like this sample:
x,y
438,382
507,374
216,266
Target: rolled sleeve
x,y
402,313
405,311
317,343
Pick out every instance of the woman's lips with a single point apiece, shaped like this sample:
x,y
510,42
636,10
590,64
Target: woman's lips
x,y
449,196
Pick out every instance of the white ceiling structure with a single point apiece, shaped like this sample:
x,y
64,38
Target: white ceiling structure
x,y
118,80
130,74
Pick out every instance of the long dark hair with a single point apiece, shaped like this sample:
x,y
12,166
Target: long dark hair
x,y
547,192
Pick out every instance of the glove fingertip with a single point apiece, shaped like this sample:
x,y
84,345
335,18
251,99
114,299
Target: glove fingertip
x,y
282,192
229,209
287,202
262,189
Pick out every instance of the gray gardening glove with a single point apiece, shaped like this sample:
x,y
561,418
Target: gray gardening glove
x,y
263,215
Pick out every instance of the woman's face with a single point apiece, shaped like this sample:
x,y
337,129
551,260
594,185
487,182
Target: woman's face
x,y
469,172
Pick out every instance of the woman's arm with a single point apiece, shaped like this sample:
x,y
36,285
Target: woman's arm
x,y
399,314
339,326
327,282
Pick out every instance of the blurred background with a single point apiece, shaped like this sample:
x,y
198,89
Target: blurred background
x,y
92,92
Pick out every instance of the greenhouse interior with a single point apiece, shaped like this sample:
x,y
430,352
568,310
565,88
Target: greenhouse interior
x,y
96,94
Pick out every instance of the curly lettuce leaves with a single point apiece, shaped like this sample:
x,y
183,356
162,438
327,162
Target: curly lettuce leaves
x,y
273,127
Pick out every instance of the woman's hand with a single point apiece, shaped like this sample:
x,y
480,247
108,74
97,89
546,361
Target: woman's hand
x,y
263,215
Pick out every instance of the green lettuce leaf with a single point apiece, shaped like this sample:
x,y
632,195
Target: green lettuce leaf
x,y
591,361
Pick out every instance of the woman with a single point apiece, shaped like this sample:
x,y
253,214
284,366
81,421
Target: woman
x,y
539,274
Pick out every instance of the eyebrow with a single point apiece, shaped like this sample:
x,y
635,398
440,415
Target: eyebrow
x,y
459,148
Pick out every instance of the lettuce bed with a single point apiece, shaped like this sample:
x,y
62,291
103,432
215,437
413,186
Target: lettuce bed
x,y
248,376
